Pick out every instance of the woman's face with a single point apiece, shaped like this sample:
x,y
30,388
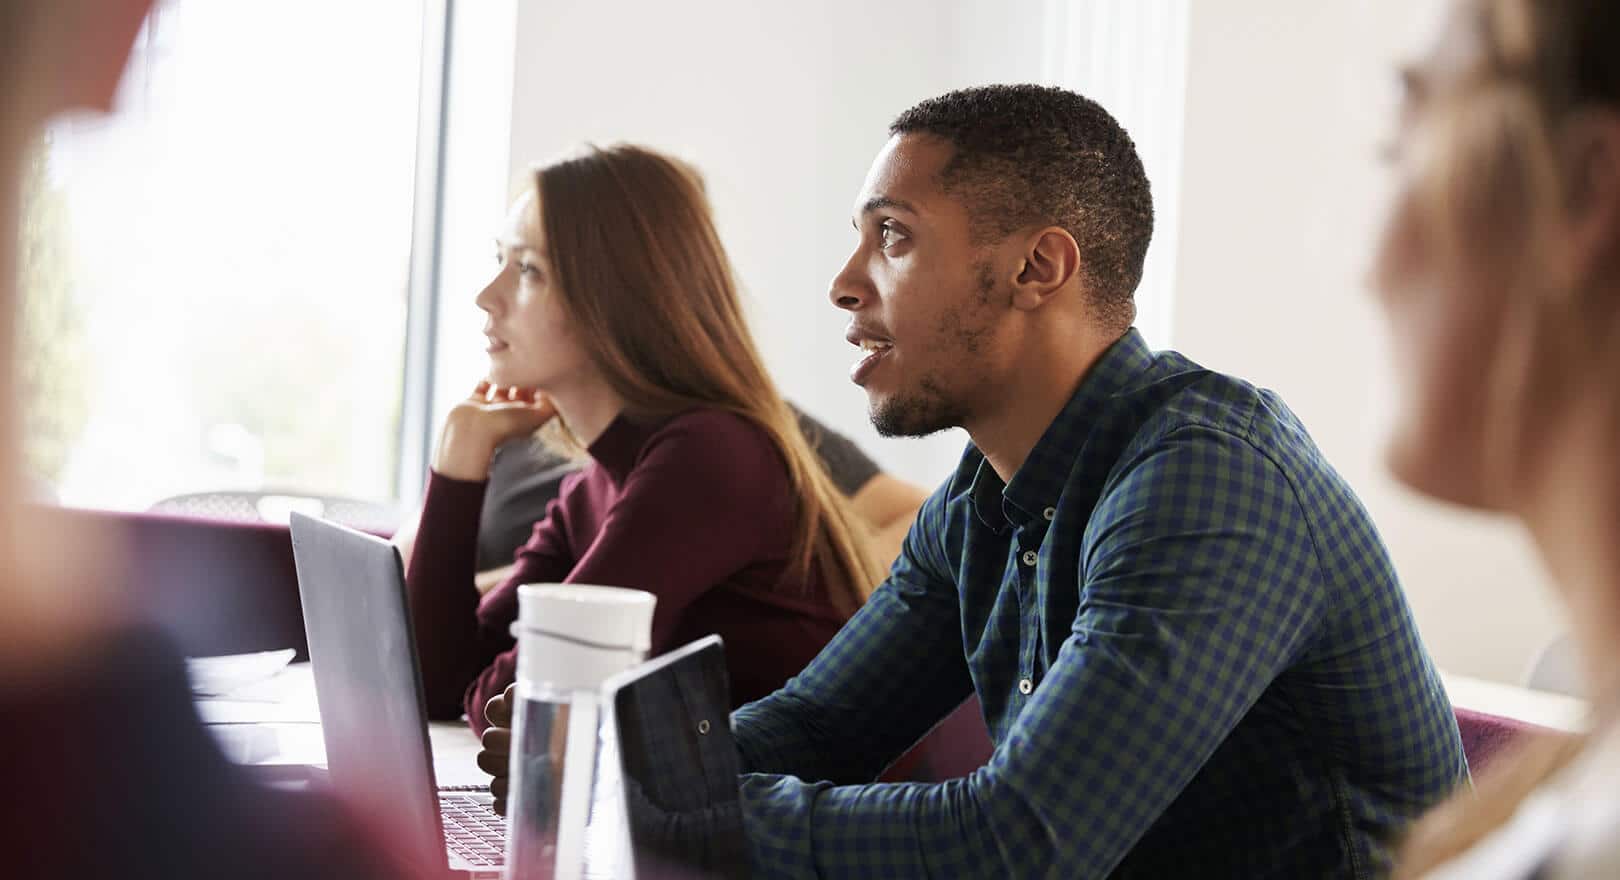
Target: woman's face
x,y
531,341
1445,309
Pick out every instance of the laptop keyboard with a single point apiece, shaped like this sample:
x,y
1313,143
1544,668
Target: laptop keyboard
x,y
472,830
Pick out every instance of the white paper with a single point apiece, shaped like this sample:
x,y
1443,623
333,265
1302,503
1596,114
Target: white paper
x,y
219,676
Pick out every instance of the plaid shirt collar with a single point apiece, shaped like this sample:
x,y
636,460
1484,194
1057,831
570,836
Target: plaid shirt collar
x,y
1001,506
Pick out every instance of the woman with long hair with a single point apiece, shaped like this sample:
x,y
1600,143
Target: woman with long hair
x,y
615,324
1500,274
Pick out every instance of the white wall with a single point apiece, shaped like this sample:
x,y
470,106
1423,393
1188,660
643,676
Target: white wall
x,y
1281,197
783,106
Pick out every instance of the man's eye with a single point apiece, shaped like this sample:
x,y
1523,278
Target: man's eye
x,y
889,235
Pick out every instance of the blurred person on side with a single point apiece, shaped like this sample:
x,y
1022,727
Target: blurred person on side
x,y
111,772
1500,275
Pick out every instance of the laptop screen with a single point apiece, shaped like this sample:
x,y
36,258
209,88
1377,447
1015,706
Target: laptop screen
x,y
372,714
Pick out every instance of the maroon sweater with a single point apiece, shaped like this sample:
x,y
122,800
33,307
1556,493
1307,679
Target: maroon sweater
x,y
695,510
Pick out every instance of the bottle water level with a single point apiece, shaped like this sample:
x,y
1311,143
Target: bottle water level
x,y
539,748
566,806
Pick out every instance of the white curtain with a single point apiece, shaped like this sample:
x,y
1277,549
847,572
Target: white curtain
x,y
1131,57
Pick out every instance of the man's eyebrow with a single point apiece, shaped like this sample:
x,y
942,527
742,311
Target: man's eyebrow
x,y
878,203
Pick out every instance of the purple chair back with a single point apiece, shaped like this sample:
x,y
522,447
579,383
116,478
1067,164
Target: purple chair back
x,y
217,587
1486,736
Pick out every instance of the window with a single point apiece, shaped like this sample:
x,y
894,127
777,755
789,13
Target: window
x,y
215,278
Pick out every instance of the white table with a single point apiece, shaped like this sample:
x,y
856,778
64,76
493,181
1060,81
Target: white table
x,y
1537,707
278,721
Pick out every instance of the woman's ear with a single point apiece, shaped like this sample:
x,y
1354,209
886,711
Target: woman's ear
x,y
1051,259
1591,242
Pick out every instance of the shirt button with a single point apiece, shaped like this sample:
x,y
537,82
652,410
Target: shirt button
x,y
703,727
1049,513
1030,557
1025,686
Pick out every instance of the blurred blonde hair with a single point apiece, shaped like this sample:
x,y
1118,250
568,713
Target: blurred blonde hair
x,y
1498,184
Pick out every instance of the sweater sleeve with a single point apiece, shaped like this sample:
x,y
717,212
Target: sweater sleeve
x,y
453,640
707,497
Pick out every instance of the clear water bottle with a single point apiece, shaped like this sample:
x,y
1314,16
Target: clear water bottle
x,y
565,817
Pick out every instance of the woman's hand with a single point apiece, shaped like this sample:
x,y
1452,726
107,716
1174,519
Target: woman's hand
x,y
481,423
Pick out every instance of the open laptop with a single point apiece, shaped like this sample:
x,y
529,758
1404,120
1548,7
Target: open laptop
x,y
373,715
679,765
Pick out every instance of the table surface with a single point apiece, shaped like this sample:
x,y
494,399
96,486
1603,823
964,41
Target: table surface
x,y
277,721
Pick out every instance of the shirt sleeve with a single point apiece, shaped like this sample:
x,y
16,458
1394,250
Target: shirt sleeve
x,y
889,675
1199,584
454,642
696,508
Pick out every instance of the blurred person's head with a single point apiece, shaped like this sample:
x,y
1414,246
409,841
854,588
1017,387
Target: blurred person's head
x,y
63,55
997,224
1500,275
56,56
1500,266
614,280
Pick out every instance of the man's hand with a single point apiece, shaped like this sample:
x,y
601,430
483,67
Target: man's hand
x,y
496,756
482,422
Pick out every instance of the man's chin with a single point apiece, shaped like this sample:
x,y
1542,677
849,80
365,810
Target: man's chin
x,y
900,417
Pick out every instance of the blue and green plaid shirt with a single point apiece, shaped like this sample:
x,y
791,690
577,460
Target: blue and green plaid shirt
x,y
1187,639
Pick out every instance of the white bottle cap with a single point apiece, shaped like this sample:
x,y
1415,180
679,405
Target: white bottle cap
x,y
575,636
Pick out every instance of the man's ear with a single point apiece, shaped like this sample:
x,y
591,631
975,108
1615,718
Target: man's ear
x,y
1051,259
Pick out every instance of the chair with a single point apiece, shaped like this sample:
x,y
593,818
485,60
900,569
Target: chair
x,y
274,506
215,586
1556,668
956,747
960,744
1486,736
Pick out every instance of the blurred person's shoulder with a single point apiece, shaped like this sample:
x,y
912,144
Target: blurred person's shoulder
x,y
1591,792
1569,827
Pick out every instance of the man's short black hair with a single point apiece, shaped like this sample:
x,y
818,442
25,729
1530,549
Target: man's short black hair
x,y
1029,154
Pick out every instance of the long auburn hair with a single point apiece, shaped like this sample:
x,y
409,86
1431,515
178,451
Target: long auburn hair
x,y
647,285
1500,179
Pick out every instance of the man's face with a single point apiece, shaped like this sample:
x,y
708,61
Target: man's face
x,y
926,305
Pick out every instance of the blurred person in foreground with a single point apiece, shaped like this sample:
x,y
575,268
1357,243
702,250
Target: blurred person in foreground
x,y
111,773
1500,275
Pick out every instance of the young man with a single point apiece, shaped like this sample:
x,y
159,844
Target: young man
x,y
1189,642
1187,639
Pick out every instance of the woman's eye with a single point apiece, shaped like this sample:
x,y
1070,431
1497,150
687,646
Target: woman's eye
x,y
529,269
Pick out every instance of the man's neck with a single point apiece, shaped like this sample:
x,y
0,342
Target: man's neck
x,y
1029,399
